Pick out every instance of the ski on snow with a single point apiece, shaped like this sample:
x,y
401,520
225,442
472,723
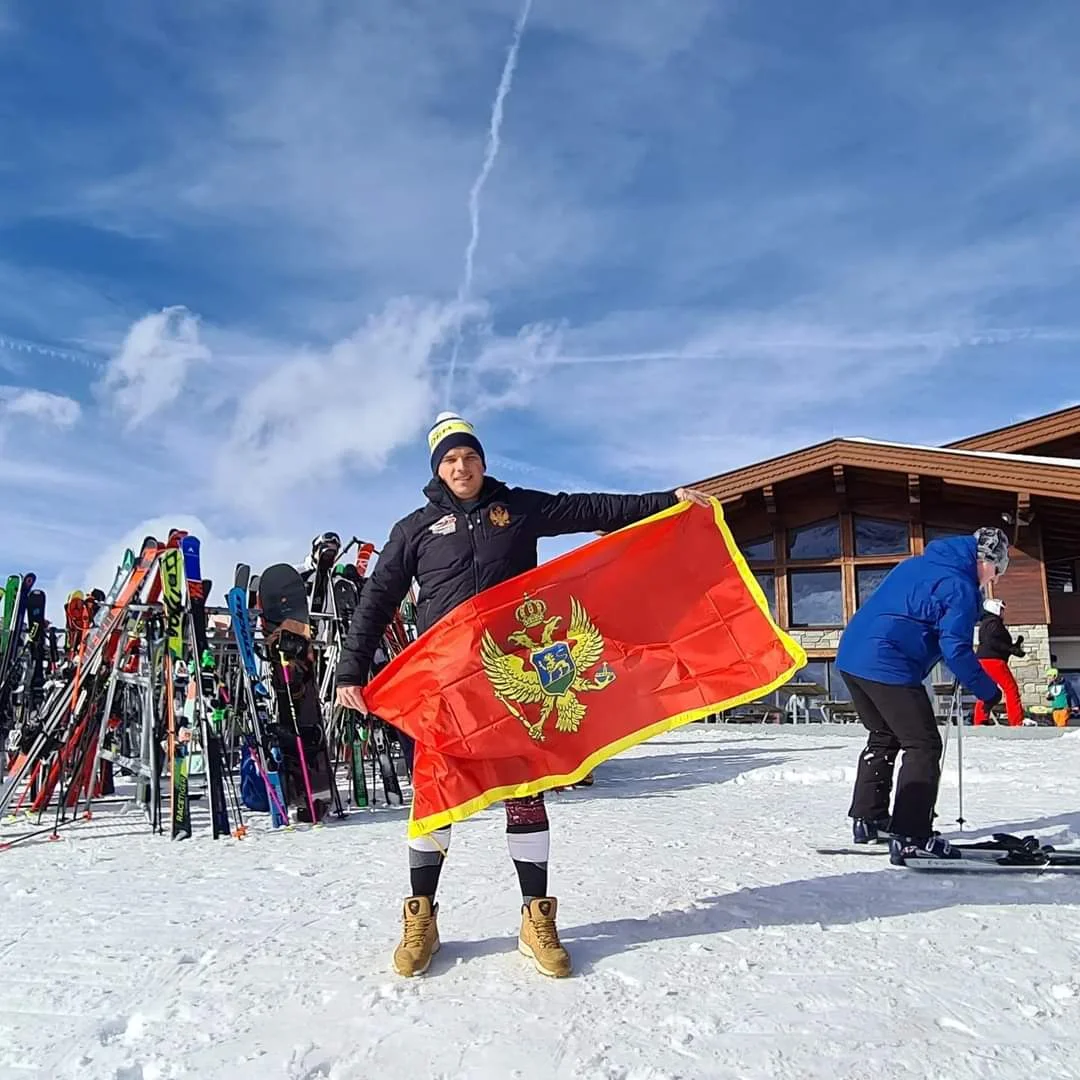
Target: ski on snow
x,y
1003,852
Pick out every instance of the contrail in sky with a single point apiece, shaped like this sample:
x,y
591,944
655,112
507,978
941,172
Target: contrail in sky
x,y
478,185
21,345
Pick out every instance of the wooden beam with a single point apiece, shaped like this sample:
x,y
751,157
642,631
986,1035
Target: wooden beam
x,y
918,537
783,601
1022,516
1041,556
839,479
847,568
770,500
915,513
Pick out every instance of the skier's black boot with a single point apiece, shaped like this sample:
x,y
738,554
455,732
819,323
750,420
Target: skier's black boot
x,y
903,848
865,831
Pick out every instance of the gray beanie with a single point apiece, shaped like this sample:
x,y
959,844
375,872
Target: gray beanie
x,y
992,546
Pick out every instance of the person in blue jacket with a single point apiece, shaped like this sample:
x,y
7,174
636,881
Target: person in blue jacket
x,y
925,611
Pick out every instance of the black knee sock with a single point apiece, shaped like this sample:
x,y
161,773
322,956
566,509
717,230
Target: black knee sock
x,y
424,880
529,850
426,857
533,879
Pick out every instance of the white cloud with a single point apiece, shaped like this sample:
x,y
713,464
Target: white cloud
x,y
32,473
502,372
276,425
153,363
354,403
53,409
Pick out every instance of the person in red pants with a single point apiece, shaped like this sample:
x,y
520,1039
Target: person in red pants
x,y
996,645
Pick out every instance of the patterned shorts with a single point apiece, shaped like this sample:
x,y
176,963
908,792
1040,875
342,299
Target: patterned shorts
x,y
529,812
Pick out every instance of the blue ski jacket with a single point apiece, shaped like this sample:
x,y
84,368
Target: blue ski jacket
x,y
923,612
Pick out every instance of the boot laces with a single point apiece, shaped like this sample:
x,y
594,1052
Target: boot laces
x,y
416,928
547,936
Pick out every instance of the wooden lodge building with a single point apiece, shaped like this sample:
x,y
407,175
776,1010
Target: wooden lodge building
x,y
822,526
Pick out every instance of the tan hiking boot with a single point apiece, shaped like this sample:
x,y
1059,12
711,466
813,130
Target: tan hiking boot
x,y
539,939
420,938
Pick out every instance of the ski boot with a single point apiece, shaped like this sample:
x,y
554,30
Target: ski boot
x,y
870,831
903,848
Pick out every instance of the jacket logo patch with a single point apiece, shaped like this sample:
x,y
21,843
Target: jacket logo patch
x,y
445,525
499,516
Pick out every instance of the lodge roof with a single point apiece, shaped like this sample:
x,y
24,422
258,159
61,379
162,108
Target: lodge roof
x,y
987,455
989,469
1025,433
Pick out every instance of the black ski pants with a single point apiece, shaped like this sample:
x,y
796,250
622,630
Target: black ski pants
x,y
897,718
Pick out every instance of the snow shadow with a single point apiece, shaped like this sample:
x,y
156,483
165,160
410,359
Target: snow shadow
x,y
661,775
43,835
841,900
363,815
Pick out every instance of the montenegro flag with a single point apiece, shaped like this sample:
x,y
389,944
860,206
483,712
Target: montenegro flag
x,y
534,682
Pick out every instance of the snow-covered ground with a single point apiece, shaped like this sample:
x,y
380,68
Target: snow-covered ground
x,y
709,938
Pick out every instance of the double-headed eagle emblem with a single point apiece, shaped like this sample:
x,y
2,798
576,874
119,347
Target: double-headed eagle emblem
x,y
555,674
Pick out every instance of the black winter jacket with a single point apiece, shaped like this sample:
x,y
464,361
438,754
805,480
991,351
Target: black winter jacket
x,y
995,641
454,553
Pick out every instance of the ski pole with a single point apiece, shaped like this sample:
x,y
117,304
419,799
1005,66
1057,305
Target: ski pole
x,y
960,755
945,740
299,739
956,711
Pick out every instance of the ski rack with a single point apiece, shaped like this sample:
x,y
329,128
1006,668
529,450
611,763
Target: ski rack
x,y
99,711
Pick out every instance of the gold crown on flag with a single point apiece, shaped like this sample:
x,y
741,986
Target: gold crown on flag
x,y
531,613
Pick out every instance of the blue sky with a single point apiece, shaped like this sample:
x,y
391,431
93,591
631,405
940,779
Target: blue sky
x,y
233,242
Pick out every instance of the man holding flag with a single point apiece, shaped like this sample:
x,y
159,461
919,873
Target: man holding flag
x,y
526,677
475,532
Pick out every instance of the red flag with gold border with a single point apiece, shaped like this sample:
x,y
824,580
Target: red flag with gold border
x,y
534,682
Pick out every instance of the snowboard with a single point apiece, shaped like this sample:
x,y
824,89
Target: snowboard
x,y
283,603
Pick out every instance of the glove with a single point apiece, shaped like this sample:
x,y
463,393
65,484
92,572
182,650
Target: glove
x,y
995,701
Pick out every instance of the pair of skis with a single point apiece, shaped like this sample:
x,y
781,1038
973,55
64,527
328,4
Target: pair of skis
x,y
1003,852
22,657
183,595
267,753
